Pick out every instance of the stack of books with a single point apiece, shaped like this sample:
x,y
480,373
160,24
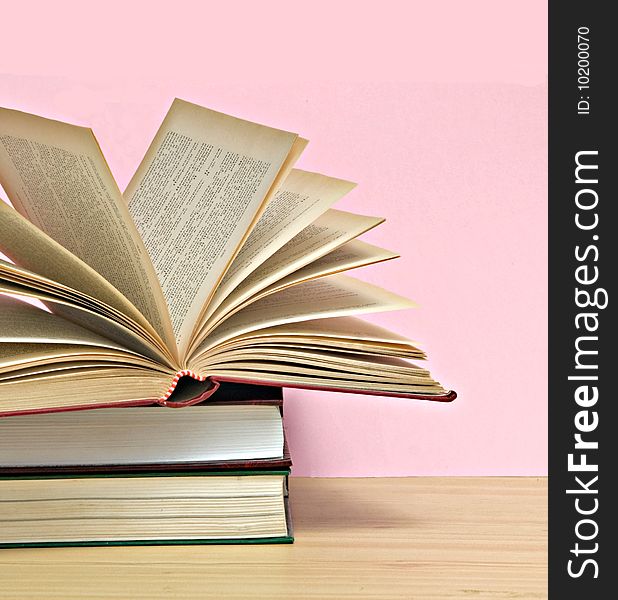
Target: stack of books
x,y
212,282
211,473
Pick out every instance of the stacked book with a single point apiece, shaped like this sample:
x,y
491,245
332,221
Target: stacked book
x,y
210,473
177,309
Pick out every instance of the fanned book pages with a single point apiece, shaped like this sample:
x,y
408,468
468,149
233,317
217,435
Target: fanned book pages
x,y
220,262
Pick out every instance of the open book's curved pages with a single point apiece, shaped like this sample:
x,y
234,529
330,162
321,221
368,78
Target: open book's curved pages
x,y
220,262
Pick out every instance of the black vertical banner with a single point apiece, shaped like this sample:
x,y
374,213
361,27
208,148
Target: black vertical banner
x,y
583,258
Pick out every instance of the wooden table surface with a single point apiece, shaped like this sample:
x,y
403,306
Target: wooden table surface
x,y
418,538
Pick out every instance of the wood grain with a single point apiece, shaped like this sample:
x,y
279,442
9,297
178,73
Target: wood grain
x,y
415,538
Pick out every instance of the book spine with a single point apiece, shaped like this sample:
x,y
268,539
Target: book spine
x,y
185,373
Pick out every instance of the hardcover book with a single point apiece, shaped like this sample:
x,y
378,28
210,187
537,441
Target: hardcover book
x,y
220,262
240,428
193,507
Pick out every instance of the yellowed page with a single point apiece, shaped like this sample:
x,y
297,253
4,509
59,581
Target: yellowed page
x,y
301,199
351,328
13,274
350,256
55,175
302,364
76,389
334,296
67,300
329,231
92,321
349,365
16,356
323,380
346,333
383,366
325,364
21,322
64,368
51,266
196,195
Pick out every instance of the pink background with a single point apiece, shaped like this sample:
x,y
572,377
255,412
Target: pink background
x,y
437,109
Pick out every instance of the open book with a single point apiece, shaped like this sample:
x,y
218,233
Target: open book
x,y
220,262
